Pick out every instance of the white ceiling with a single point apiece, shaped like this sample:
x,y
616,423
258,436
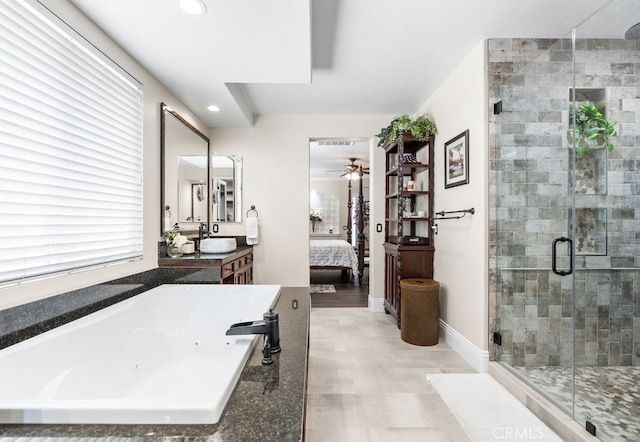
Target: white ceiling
x,y
252,57
329,158
327,56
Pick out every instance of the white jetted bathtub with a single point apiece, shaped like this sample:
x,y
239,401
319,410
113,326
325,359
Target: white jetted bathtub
x,y
161,357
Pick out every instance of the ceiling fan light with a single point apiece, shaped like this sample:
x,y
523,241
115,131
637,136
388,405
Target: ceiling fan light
x,y
192,7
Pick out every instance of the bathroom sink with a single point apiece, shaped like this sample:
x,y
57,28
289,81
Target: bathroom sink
x,y
218,245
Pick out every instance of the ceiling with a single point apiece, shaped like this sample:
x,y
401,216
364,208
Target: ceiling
x,y
329,158
252,57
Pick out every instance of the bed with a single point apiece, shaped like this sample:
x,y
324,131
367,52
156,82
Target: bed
x,y
340,254
333,254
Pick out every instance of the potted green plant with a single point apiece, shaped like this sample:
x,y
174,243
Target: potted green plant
x,y
420,127
592,129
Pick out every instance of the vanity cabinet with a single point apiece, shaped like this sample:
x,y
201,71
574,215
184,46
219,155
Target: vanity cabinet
x,y
409,185
235,268
238,271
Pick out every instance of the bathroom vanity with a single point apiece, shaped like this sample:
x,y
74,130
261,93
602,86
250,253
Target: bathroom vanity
x,y
228,268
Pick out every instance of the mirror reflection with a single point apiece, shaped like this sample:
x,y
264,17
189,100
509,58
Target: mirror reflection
x,y
184,174
196,187
192,188
226,190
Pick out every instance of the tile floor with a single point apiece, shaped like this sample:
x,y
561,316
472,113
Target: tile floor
x,y
366,384
609,397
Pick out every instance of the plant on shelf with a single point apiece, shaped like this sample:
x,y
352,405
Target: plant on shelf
x,y
314,216
591,127
420,127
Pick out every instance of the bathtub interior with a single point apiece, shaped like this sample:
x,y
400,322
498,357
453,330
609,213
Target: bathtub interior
x,y
159,357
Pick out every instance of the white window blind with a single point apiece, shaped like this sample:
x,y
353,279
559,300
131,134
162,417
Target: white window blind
x,y
70,149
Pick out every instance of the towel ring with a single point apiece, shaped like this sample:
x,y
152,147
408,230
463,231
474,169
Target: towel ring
x,y
253,209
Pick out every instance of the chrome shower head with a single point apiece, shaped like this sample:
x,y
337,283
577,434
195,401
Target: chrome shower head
x,y
633,33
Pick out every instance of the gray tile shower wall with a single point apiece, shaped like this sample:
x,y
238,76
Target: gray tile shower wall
x,y
530,200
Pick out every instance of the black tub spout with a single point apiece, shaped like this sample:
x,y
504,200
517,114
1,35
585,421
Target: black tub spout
x,y
269,327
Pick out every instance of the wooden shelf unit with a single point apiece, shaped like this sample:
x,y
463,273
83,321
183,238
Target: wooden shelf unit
x,y
408,243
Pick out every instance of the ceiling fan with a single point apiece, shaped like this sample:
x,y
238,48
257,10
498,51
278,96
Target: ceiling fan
x,y
352,168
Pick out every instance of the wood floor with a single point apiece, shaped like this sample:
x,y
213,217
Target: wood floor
x,y
348,293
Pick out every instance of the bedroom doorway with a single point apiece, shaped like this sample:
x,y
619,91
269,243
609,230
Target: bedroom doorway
x,y
338,222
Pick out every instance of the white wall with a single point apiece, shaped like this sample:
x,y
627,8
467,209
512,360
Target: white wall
x,y
461,264
276,180
154,93
377,174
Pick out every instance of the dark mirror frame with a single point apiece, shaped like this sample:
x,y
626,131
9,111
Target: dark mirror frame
x,y
164,109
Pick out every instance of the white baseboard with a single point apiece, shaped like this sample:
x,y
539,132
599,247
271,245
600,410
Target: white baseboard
x,y
376,305
478,359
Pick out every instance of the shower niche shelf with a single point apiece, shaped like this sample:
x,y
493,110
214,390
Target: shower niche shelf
x,y
591,231
591,167
590,180
595,96
591,172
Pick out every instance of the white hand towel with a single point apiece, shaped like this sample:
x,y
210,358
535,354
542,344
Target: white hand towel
x,y
252,231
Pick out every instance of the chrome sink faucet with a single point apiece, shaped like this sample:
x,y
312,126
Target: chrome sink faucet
x,y
269,327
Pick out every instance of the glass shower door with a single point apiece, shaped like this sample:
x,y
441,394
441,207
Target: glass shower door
x,y
607,226
532,200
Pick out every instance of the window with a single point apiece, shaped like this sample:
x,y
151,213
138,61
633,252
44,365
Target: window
x,y
70,150
327,205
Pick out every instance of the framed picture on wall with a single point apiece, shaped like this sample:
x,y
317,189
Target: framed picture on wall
x,y
456,160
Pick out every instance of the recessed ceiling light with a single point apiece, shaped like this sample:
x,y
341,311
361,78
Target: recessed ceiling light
x,y
213,108
193,7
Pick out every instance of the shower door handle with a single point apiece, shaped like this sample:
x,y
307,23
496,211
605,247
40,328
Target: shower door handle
x,y
553,256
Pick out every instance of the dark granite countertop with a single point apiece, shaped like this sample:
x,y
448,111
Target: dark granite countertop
x,y
198,258
266,405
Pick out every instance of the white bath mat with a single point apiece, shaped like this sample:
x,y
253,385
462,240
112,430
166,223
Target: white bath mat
x,y
323,288
487,411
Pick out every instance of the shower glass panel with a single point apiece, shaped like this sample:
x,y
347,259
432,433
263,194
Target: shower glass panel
x,y
531,191
607,229
573,334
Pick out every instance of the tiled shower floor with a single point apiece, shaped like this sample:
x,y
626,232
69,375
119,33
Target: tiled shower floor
x,y
609,397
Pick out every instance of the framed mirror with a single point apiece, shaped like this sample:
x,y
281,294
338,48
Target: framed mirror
x,y
184,173
226,188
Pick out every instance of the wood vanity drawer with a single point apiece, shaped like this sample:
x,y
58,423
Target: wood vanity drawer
x,y
233,266
227,269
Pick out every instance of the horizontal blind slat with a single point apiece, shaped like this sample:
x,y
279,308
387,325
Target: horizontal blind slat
x,y
70,150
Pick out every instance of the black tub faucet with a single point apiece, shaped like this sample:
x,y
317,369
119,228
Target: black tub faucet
x,y
269,327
